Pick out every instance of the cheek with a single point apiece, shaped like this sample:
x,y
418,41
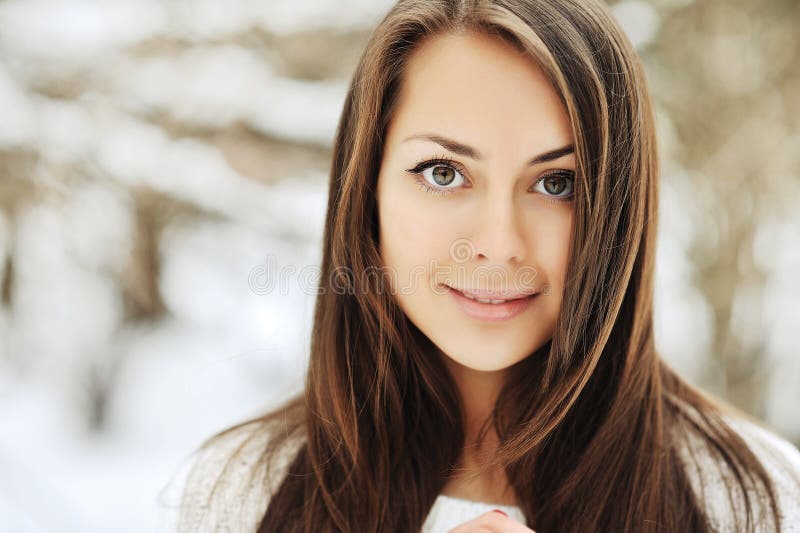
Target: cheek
x,y
553,235
410,233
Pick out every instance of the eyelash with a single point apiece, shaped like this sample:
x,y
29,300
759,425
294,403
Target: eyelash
x,y
443,160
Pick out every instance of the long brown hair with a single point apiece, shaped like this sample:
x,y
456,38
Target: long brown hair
x,y
590,425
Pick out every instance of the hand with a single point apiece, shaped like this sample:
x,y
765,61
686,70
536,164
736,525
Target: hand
x,y
492,522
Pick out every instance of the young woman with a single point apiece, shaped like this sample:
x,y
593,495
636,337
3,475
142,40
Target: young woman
x,y
484,334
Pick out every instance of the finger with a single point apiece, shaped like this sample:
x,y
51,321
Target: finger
x,y
492,522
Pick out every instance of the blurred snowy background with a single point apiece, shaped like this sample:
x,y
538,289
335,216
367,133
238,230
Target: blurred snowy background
x,y
157,156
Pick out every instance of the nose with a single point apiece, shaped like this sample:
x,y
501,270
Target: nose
x,y
500,239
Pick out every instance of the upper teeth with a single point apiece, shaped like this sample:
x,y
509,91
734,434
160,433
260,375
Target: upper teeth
x,y
482,300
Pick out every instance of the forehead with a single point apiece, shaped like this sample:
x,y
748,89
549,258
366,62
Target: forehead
x,y
482,90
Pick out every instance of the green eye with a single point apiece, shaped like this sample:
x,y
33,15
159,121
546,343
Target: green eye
x,y
439,176
554,184
443,175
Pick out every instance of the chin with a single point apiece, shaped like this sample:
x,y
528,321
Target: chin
x,y
484,361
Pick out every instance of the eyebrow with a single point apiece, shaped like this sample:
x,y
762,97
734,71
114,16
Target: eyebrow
x,y
473,153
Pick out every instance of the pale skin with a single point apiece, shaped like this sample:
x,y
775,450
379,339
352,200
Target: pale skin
x,y
483,93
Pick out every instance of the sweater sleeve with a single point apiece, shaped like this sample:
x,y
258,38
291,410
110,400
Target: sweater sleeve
x,y
224,486
780,459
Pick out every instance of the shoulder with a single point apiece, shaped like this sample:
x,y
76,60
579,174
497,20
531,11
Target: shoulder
x,y
711,479
781,460
225,485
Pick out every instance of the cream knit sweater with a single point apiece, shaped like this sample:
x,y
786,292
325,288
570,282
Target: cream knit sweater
x,y
239,503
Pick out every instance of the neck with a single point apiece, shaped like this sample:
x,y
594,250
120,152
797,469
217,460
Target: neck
x,y
479,391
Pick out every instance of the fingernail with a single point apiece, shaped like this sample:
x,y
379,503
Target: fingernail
x,y
499,511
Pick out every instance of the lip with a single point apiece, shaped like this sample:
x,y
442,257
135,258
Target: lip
x,y
494,295
489,312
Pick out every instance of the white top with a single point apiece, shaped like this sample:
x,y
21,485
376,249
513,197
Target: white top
x,y
239,503
448,512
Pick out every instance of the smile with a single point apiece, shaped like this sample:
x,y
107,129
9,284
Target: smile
x,y
491,306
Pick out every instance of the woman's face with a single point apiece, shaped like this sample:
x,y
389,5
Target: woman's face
x,y
475,195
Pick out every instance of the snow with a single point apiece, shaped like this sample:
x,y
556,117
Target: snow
x,y
99,408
